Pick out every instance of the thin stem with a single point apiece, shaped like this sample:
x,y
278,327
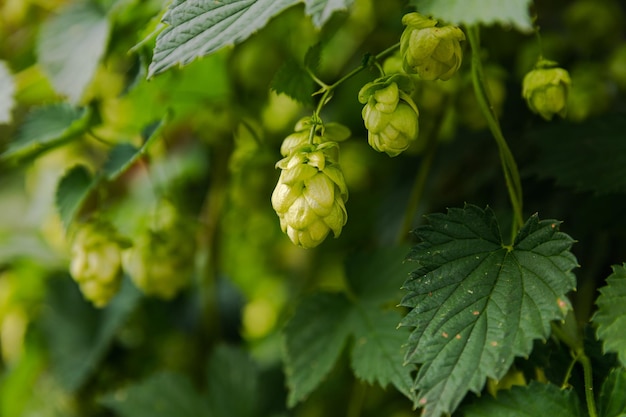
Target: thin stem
x,y
588,377
509,167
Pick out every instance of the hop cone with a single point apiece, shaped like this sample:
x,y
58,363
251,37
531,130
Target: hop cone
x,y
545,90
96,263
310,195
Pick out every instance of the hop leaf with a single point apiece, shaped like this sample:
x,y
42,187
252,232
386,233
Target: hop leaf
x,y
477,303
610,318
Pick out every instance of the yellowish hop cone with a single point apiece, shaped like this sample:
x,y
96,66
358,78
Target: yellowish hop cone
x,y
545,90
310,196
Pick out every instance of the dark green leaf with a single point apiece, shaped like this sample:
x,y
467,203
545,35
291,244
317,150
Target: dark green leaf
x,y
78,334
610,318
321,10
71,193
477,303
293,80
197,28
70,47
315,337
612,400
47,127
165,394
589,156
232,383
313,57
514,13
533,400
7,89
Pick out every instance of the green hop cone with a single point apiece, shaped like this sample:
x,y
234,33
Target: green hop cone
x,y
161,260
96,263
310,195
329,132
389,114
545,89
429,51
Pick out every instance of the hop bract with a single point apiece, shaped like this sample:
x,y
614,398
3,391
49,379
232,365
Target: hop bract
x,y
389,114
545,89
310,195
161,260
429,51
96,261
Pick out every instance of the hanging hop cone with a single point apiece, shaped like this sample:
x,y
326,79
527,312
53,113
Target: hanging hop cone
x,y
161,261
546,88
429,51
311,192
390,115
96,263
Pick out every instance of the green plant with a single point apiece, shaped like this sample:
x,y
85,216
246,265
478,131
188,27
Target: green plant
x,y
186,163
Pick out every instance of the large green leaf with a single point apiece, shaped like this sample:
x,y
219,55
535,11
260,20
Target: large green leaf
x,y
514,13
610,318
533,400
70,47
165,394
72,191
47,127
612,401
7,90
589,156
476,303
197,28
324,322
78,334
232,383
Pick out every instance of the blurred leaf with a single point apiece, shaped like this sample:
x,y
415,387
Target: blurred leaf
x,y
165,394
313,57
71,193
197,28
315,337
47,127
323,322
474,12
7,90
124,155
79,335
476,303
612,401
291,79
70,47
321,10
610,318
232,383
589,156
533,400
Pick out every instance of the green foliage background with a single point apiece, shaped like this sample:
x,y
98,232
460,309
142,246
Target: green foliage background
x,y
98,116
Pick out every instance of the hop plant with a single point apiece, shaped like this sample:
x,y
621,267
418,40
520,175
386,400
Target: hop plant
x,y
161,260
96,263
546,88
429,51
311,193
389,114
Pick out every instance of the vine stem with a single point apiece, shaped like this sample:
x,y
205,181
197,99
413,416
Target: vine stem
x,y
509,167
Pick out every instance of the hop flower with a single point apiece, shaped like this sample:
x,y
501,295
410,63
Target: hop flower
x,y
161,261
96,261
310,195
390,115
546,88
429,51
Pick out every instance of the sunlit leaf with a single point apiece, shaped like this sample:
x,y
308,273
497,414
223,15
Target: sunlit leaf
x,y
72,191
7,90
197,28
533,400
612,401
70,47
610,318
79,335
476,303
321,10
514,13
164,394
47,127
